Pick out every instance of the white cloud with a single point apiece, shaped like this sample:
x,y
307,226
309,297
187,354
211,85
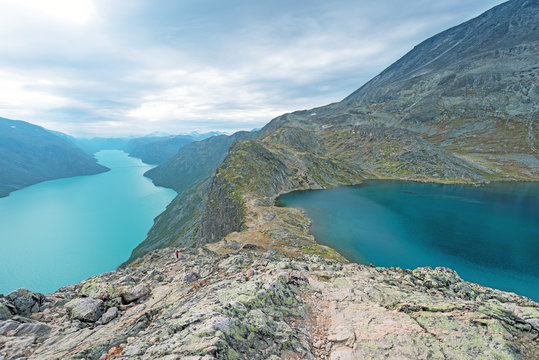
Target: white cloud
x,y
77,12
98,67
21,95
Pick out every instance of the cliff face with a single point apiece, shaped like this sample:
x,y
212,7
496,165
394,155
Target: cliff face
x,y
263,305
30,154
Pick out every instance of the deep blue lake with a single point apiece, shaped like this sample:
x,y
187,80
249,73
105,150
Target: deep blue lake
x,y
488,234
60,232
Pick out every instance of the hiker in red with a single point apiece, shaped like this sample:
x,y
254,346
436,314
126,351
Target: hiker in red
x,y
177,254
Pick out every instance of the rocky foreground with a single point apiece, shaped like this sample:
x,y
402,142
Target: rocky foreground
x,y
263,305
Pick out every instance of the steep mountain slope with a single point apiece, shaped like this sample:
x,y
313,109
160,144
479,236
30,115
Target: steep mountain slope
x,y
188,173
461,107
506,31
30,154
195,161
471,90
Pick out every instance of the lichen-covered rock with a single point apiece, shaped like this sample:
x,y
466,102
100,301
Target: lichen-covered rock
x,y
293,308
25,301
97,289
436,278
134,293
85,309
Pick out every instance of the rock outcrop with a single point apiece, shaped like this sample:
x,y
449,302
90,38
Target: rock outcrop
x,y
264,305
22,302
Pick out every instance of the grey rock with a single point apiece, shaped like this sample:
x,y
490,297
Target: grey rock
x,y
5,312
25,301
131,351
134,293
85,309
464,290
6,326
191,276
364,312
29,329
127,279
109,315
258,322
234,245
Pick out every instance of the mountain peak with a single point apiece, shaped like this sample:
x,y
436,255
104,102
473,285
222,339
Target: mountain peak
x,y
511,27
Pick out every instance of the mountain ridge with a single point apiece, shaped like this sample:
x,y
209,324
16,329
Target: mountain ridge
x,y
504,15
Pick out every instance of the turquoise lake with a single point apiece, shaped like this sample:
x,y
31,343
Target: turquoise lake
x,y
488,234
60,232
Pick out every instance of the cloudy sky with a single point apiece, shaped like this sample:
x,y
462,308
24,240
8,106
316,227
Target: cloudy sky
x,y
132,67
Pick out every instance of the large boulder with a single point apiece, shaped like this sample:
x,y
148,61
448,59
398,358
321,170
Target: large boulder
x,y
25,301
96,288
85,309
134,293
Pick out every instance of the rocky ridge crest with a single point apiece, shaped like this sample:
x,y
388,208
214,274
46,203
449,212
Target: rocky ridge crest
x,y
264,305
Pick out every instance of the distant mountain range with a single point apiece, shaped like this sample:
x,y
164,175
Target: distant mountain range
x,y
154,148
30,154
461,107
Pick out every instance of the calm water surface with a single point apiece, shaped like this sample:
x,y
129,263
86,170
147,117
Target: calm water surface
x,y
62,231
489,235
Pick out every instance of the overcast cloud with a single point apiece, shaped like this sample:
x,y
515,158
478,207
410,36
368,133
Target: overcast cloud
x,y
131,67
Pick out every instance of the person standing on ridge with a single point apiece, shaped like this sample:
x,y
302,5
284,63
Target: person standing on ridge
x,y
177,254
